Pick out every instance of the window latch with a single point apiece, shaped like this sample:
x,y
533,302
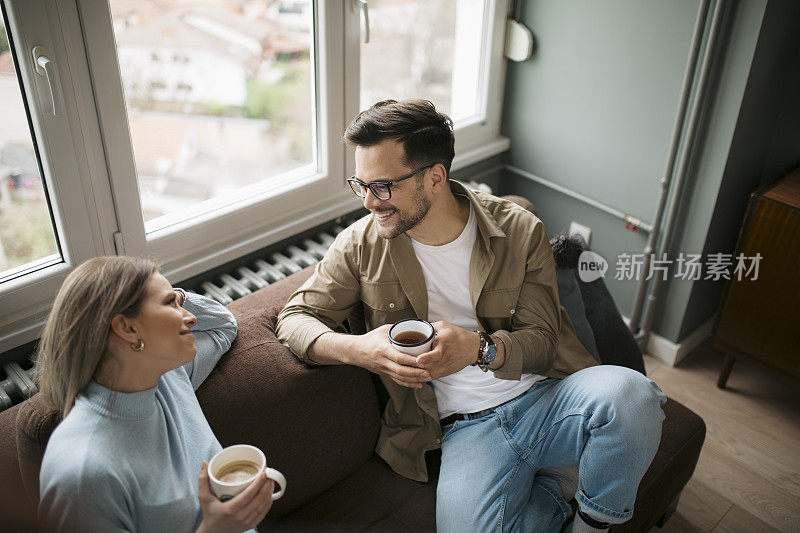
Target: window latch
x,y
46,67
119,243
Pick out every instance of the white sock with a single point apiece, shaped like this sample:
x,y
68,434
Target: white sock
x,y
579,526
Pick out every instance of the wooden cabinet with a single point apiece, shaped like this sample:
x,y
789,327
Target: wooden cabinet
x,y
759,320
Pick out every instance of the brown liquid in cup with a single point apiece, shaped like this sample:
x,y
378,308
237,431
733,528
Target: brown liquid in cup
x,y
237,472
410,337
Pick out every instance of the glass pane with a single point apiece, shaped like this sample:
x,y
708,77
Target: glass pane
x,y
220,99
423,49
27,237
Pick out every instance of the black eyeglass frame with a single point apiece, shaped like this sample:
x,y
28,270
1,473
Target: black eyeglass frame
x,y
353,181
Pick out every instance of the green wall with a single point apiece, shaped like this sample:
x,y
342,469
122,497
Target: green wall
x,y
593,111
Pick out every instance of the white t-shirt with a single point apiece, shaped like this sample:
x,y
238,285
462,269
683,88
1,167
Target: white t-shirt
x,y
446,270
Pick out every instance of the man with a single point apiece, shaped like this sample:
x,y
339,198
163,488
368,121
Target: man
x,y
508,392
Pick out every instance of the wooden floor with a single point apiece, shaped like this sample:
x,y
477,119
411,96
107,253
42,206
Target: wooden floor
x,y
748,475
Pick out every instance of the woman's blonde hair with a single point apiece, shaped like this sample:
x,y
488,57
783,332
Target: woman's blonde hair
x,y
75,337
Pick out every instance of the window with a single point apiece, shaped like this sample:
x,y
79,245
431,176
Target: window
x,y
249,121
45,222
197,131
420,48
448,52
27,237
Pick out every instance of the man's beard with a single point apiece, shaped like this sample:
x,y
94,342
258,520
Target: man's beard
x,y
409,219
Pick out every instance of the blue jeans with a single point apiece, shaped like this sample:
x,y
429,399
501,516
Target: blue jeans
x,y
603,420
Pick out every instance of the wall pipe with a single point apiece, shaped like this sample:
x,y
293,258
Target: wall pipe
x,y
635,222
694,118
677,132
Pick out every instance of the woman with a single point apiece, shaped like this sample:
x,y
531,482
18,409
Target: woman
x,y
121,356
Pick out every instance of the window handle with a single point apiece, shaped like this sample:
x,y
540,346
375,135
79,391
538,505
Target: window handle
x,y
363,5
47,68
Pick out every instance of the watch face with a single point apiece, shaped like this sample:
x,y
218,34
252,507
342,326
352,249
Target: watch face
x,y
490,354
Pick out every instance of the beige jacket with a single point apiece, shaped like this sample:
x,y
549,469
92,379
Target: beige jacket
x,y
513,287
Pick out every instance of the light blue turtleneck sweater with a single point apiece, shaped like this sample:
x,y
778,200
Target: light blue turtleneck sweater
x,y
129,462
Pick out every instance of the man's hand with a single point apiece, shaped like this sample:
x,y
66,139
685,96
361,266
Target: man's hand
x,y
376,354
453,349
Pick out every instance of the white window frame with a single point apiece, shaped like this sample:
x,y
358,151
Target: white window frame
x,y
94,192
25,301
477,140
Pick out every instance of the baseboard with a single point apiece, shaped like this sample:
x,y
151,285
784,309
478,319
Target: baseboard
x,y
671,353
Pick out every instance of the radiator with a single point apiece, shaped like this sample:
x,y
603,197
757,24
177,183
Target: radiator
x,y
245,279
16,383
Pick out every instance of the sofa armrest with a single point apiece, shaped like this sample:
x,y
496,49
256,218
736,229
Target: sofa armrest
x,y
316,425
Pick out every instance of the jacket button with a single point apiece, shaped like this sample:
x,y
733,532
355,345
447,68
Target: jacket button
x,y
512,311
438,442
391,305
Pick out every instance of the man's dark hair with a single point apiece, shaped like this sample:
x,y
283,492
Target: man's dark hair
x,y
426,135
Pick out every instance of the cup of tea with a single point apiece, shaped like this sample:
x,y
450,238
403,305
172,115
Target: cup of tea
x,y
412,336
231,470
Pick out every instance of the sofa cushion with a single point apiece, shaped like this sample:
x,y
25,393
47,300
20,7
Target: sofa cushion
x,y
35,423
570,297
373,498
317,425
615,342
16,508
9,458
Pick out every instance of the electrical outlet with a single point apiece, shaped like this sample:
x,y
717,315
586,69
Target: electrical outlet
x,y
580,229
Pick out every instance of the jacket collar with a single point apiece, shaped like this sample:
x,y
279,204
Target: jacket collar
x,y
487,225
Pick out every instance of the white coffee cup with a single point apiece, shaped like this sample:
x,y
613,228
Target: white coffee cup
x,y
249,462
400,331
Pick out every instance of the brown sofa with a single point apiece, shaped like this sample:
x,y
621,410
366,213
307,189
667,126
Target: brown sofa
x,y
319,427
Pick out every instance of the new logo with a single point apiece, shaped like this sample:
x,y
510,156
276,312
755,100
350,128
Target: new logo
x,y
591,266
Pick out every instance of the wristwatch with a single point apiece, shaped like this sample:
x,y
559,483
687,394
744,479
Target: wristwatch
x,y
486,353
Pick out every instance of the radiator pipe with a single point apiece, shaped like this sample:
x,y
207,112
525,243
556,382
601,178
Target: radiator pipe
x,y
677,132
674,207
629,219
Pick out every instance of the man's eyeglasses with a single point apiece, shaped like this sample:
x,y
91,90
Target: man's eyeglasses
x,y
382,190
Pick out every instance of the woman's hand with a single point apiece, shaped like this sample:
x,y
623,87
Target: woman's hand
x,y
242,512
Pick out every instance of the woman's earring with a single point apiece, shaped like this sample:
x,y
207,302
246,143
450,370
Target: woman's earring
x,y
138,347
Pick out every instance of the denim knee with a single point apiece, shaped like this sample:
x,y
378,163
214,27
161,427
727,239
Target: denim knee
x,y
621,381
628,394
